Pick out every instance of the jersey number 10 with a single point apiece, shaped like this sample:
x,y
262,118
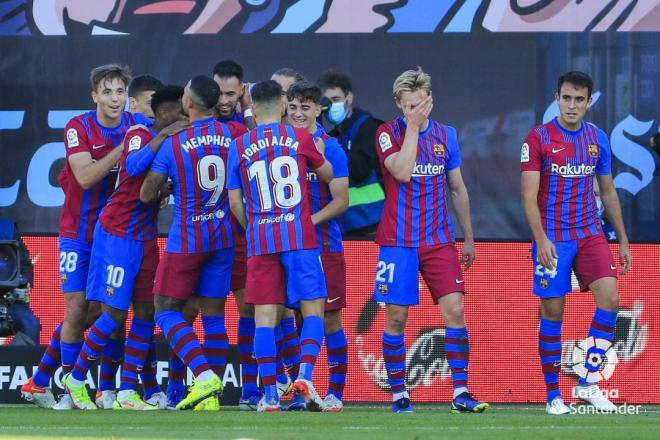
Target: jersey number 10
x,y
283,179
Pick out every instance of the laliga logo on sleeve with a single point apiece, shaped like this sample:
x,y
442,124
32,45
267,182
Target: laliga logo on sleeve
x,y
134,143
524,153
385,142
594,359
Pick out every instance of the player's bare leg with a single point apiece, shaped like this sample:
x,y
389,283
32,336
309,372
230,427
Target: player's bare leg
x,y
602,326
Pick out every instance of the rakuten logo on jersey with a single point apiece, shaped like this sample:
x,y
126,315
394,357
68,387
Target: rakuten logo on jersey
x,y
573,170
207,217
427,170
289,217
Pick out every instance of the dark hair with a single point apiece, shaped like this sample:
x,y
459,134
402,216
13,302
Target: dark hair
x,y
289,73
334,78
266,92
304,91
228,69
144,83
109,72
166,95
206,90
578,79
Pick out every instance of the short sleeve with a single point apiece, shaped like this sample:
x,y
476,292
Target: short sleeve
x,y
604,164
161,163
336,156
75,138
233,172
453,149
138,158
386,143
531,157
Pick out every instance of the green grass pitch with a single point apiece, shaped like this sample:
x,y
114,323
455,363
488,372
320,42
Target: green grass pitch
x,y
356,422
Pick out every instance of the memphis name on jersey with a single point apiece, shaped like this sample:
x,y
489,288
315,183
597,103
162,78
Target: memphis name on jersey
x,y
209,139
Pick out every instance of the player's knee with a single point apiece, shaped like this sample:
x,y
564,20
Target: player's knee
x,y
453,315
143,311
332,322
396,320
165,303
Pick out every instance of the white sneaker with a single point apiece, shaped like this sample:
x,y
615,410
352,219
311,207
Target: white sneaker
x,y
592,395
272,406
557,407
42,397
332,404
158,399
284,388
105,399
64,404
305,388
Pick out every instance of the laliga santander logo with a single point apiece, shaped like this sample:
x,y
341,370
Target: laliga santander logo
x,y
594,359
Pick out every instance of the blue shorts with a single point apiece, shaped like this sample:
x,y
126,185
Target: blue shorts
x,y
397,279
590,258
113,269
285,278
74,264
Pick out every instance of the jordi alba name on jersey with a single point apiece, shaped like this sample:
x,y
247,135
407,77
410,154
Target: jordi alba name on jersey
x,y
416,213
82,207
269,164
196,160
567,161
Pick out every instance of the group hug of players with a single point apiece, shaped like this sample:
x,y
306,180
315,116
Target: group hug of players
x,y
257,186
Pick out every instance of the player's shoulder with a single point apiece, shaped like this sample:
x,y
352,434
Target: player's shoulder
x,y
448,130
541,132
83,120
139,118
593,128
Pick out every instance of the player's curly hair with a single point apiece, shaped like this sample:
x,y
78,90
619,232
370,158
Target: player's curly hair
x,y
411,81
108,72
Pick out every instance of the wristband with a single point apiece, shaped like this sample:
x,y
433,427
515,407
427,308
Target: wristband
x,y
247,113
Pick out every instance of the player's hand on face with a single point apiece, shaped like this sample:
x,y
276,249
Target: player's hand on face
x,y
176,127
625,257
417,116
246,99
467,254
546,253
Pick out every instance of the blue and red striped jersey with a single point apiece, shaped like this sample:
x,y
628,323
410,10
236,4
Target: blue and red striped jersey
x,y
82,207
125,215
328,233
270,164
196,161
416,213
567,161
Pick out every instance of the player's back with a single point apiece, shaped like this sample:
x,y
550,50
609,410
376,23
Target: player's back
x,y
273,160
416,212
196,161
82,206
125,215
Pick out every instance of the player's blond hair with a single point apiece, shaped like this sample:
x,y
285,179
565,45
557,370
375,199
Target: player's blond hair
x,y
411,81
109,72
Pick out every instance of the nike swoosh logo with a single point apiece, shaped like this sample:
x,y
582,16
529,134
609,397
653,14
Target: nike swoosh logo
x,y
612,267
556,364
459,281
96,147
557,150
330,301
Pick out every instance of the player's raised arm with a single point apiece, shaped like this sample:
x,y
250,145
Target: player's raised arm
x,y
401,163
610,200
151,186
461,201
